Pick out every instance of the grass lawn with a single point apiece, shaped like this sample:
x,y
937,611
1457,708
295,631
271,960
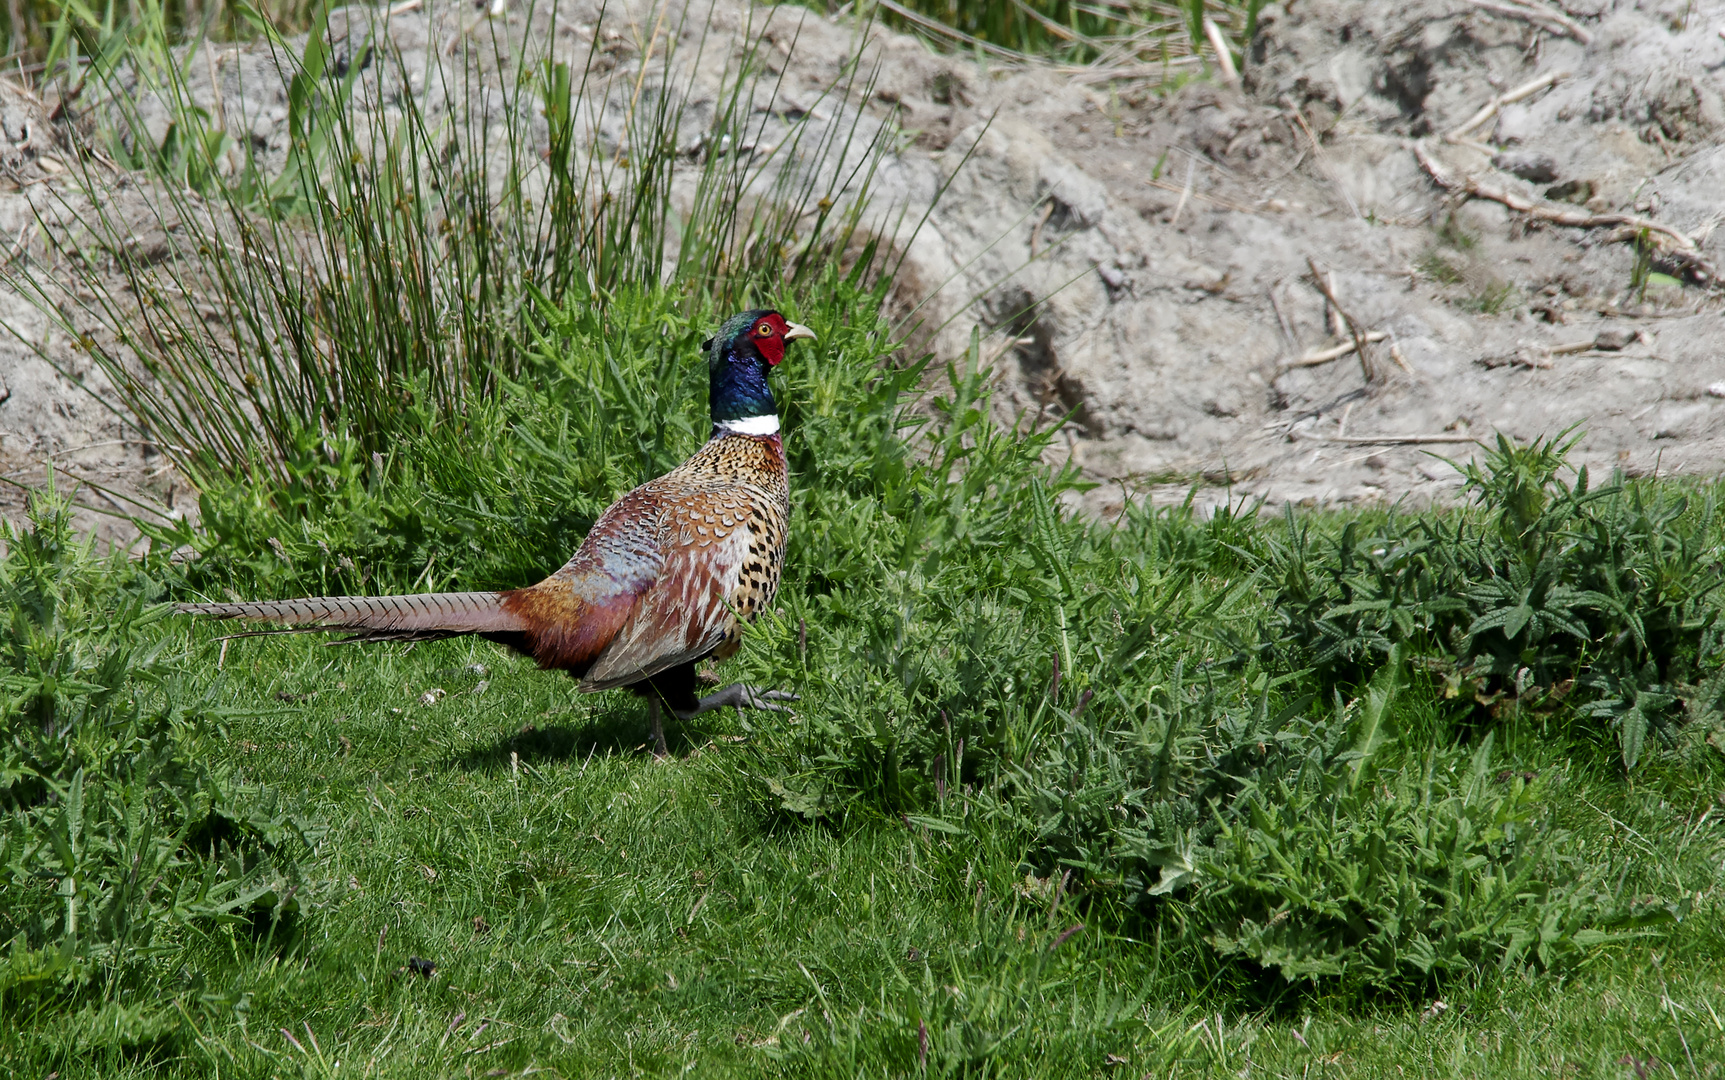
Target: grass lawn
x,y
591,912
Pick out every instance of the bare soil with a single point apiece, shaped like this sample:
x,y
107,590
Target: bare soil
x,y
1154,262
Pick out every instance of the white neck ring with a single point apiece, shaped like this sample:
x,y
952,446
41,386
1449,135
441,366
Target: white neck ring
x,y
752,425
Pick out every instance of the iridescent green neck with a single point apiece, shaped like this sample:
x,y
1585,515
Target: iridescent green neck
x,y
737,374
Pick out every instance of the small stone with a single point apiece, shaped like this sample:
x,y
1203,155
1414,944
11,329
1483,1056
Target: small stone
x,y
1613,340
1716,389
1531,166
1574,191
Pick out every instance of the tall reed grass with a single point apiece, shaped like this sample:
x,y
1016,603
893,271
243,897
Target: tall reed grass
x,y
1108,37
397,267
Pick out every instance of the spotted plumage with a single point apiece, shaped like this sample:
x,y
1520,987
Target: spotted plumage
x,y
667,576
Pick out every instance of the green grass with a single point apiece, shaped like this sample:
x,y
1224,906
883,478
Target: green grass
x,y
1490,297
636,917
1435,265
856,911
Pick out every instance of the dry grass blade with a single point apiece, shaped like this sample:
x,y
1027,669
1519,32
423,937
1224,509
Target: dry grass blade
x,y
1360,337
1334,352
1539,14
1490,108
935,26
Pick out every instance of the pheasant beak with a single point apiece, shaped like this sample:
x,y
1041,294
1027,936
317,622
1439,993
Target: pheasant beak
x,y
793,331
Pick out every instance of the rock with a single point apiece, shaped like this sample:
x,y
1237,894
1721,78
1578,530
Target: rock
x,y
1436,471
1613,340
1678,420
1224,406
1575,191
1532,166
1716,389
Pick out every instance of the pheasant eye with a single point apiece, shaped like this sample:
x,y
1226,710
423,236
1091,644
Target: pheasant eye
x,y
765,329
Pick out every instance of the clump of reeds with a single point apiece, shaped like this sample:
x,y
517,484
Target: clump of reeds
x,y
393,270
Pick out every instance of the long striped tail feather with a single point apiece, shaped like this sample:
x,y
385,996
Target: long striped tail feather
x,y
419,617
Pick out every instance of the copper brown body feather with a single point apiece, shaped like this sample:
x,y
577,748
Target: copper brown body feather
x,y
664,579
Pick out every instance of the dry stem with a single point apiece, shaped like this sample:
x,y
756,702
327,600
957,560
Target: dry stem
x,y
1674,244
1538,14
1360,336
1224,54
1490,108
1334,352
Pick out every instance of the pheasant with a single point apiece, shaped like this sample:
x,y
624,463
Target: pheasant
x,y
665,578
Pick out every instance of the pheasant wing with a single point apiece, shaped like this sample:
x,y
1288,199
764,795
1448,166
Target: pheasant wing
x,y
686,612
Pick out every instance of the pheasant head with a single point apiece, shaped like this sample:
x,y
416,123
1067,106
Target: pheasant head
x,y
739,357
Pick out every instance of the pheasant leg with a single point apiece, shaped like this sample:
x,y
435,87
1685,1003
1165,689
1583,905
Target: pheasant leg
x,y
742,696
659,750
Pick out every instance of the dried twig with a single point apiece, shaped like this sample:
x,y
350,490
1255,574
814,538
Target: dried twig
x,y
1360,337
1036,230
1490,108
1224,54
1538,14
1383,440
1675,244
1401,361
1334,352
1186,193
1282,318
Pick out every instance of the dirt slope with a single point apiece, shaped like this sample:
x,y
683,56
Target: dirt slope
x,y
1197,216
1145,261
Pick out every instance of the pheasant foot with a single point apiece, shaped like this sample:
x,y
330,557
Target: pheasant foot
x,y
742,696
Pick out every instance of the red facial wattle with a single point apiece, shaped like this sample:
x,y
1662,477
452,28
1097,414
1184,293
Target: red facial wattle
x,y
769,337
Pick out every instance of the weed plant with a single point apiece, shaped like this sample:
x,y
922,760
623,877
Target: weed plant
x,y
1561,597
121,832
